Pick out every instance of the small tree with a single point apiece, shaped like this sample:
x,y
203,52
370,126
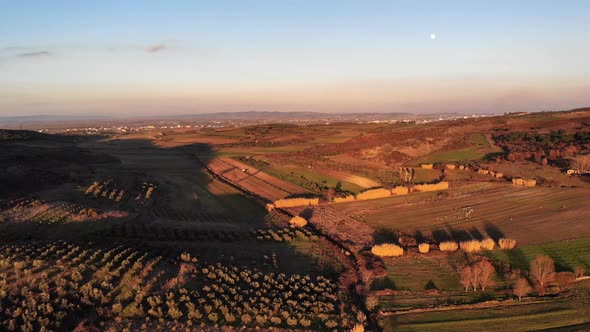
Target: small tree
x,y
521,288
542,272
331,194
581,163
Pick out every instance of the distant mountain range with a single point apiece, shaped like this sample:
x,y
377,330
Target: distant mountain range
x,y
254,115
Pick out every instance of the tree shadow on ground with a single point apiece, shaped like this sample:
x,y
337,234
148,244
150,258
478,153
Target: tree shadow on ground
x,y
476,234
383,283
493,231
306,214
384,235
517,259
441,235
430,285
458,234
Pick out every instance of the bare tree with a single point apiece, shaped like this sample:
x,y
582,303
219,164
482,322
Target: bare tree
x,y
580,163
522,288
564,280
486,270
542,272
406,175
331,194
466,275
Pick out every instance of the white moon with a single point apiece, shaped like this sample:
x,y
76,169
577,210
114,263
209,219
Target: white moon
x,y
432,36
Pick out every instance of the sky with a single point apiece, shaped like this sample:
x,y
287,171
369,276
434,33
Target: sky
x,y
127,58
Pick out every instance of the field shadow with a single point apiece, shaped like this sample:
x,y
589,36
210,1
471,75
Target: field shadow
x,y
385,235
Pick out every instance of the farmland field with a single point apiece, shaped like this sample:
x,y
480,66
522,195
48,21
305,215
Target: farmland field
x,y
535,316
253,180
529,215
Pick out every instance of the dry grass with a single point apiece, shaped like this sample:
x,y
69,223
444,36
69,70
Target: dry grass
x,y
448,246
470,246
487,244
524,182
293,202
373,194
297,221
505,243
399,190
387,250
424,248
348,198
432,187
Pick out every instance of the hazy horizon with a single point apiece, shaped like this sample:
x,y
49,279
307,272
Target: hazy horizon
x,y
149,58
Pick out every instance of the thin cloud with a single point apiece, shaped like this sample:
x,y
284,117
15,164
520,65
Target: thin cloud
x,y
34,54
155,48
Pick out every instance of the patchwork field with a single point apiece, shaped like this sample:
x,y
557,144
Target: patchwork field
x,y
253,180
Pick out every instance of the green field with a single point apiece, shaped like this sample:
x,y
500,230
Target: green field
x,y
479,147
517,317
567,254
420,273
291,173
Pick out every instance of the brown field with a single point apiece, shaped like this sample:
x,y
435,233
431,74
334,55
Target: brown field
x,y
253,180
529,215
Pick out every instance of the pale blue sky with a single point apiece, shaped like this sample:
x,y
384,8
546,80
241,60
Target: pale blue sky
x,y
164,57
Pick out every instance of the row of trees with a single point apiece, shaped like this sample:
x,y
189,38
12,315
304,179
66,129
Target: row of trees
x,y
541,274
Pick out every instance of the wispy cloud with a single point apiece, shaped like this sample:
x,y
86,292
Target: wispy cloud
x,y
33,54
155,48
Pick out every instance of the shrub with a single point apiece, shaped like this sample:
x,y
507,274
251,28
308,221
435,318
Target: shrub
x,y
506,243
487,244
432,187
293,202
373,194
470,246
387,250
448,246
399,190
424,248
348,198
